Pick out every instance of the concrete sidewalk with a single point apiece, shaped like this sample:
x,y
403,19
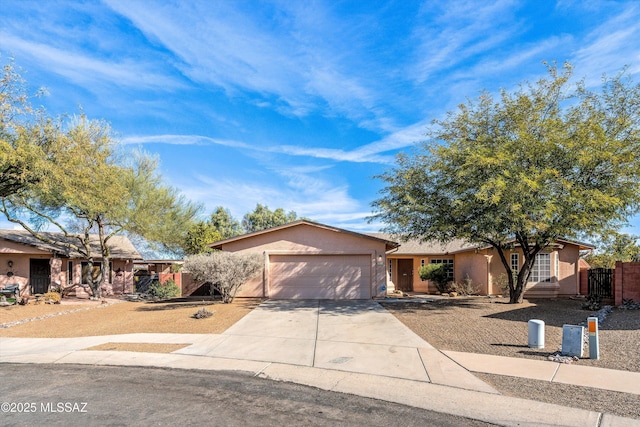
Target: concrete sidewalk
x,y
353,347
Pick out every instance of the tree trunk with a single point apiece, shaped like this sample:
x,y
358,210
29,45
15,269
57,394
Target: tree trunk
x,y
94,283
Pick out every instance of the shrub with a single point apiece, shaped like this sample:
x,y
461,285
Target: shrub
x,y
465,287
437,273
226,271
165,290
51,298
203,313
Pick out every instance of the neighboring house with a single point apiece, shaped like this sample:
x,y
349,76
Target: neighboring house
x,y
555,273
37,266
308,260
148,270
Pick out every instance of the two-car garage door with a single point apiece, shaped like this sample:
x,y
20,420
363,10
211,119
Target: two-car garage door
x,y
320,276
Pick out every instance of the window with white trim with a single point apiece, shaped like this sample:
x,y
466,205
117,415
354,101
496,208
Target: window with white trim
x,y
515,262
541,270
448,262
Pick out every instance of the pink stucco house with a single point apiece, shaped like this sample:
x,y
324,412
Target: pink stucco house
x,y
308,260
555,273
36,266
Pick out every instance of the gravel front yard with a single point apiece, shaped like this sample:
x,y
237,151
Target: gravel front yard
x,y
118,317
491,326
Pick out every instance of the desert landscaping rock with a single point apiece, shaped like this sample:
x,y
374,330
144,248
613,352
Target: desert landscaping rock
x,y
129,317
492,326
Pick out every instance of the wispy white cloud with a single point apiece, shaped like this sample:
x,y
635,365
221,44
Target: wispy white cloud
x,y
301,191
368,153
182,140
610,46
458,32
86,70
288,62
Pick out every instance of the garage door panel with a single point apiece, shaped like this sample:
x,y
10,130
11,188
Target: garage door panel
x,y
320,276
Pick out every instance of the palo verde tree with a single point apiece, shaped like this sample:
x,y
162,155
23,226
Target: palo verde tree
x,y
23,149
90,196
548,160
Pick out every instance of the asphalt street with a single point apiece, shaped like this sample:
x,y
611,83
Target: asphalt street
x,y
73,395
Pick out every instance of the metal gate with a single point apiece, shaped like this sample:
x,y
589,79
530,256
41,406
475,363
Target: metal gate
x,y
600,282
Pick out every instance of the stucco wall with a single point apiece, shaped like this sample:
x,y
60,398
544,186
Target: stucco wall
x,y
568,275
59,271
486,269
20,269
308,239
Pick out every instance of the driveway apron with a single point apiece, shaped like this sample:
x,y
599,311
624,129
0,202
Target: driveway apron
x,y
353,336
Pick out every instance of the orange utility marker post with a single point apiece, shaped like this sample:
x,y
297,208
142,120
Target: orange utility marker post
x,y
594,344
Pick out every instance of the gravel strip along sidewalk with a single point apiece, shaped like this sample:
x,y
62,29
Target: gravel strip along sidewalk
x,y
491,326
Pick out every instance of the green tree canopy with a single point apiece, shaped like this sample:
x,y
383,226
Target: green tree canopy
x,y
89,191
224,223
615,247
262,218
199,236
67,174
23,148
548,160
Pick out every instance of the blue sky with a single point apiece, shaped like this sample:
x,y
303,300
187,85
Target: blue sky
x,y
297,104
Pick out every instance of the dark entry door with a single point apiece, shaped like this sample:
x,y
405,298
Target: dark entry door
x,y
405,275
39,275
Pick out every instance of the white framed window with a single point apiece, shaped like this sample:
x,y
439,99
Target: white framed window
x,y
541,270
515,262
448,262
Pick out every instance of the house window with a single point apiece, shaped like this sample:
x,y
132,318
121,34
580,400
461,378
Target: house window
x,y
421,263
557,258
541,270
448,262
515,262
390,264
70,272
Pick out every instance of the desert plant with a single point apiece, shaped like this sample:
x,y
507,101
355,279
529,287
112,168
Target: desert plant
x,y
226,271
203,313
465,287
51,297
502,281
437,273
165,290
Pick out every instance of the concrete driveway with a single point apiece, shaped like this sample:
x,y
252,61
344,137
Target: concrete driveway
x,y
353,336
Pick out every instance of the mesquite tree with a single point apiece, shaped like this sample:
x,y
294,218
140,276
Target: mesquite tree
x,y
549,160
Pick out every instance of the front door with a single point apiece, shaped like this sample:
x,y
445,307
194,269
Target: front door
x,y
39,275
405,275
